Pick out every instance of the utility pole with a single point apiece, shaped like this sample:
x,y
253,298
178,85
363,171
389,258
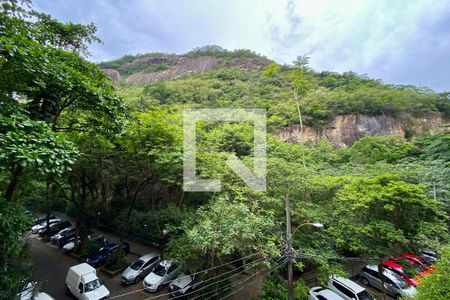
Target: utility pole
x,y
289,247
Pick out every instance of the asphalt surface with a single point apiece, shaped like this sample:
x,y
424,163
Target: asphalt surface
x,y
50,269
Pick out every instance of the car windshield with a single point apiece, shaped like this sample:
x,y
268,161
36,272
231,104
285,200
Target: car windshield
x,y
160,270
398,280
364,295
93,285
137,265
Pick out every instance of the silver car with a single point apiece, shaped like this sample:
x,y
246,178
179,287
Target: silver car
x,y
165,272
140,268
321,293
36,228
394,283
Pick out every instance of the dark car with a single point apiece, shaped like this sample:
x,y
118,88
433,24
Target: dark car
x,y
63,236
54,228
99,258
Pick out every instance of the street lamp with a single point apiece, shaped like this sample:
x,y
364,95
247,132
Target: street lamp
x,y
289,245
314,224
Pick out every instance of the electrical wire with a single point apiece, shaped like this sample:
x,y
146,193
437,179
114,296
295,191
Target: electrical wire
x,y
199,272
251,282
209,279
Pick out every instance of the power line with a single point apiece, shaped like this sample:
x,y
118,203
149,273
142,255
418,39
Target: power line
x,y
240,289
199,272
204,287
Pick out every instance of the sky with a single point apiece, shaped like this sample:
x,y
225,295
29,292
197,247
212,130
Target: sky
x,y
400,42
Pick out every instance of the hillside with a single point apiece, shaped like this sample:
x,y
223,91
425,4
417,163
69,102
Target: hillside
x,y
338,107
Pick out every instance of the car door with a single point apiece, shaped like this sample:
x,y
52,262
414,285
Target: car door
x,y
150,265
375,280
171,273
78,293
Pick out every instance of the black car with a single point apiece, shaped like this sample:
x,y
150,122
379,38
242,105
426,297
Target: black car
x,y
54,228
99,258
64,236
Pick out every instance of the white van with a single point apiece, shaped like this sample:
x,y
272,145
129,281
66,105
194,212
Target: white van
x,y
82,282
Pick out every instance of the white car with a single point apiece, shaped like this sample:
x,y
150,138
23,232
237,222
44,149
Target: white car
x,y
82,282
161,275
35,229
321,293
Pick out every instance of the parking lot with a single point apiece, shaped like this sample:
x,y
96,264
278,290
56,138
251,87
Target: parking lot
x,y
51,265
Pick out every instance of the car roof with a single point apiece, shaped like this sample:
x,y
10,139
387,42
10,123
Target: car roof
x,y
148,256
329,294
393,265
348,283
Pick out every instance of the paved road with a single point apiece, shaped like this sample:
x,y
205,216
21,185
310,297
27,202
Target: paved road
x,y
50,269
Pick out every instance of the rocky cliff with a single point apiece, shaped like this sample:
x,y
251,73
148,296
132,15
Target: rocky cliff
x,y
343,131
175,66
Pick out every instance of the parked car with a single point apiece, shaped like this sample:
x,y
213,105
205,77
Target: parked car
x,y
54,228
26,293
394,284
430,256
184,285
406,274
62,236
82,282
99,258
418,260
39,220
161,275
322,293
94,237
348,289
35,229
140,268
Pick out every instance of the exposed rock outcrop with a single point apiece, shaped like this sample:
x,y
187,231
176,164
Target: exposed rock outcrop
x,y
344,130
181,65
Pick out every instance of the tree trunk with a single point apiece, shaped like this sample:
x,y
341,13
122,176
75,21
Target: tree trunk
x,y
300,119
13,183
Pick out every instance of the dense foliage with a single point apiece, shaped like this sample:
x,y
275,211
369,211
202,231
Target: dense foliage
x,y
119,164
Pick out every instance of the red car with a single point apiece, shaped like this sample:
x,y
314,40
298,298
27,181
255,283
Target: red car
x,y
418,260
409,277
416,270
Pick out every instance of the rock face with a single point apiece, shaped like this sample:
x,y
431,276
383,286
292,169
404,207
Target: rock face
x,y
114,75
182,65
344,130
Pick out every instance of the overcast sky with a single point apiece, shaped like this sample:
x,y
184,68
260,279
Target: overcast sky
x,y
402,42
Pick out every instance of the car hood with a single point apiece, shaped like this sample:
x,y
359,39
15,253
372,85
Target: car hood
x,y
130,273
152,279
99,293
94,257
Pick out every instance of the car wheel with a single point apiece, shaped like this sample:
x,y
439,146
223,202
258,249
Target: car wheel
x,y
136,280
364,281
159,288
398,297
